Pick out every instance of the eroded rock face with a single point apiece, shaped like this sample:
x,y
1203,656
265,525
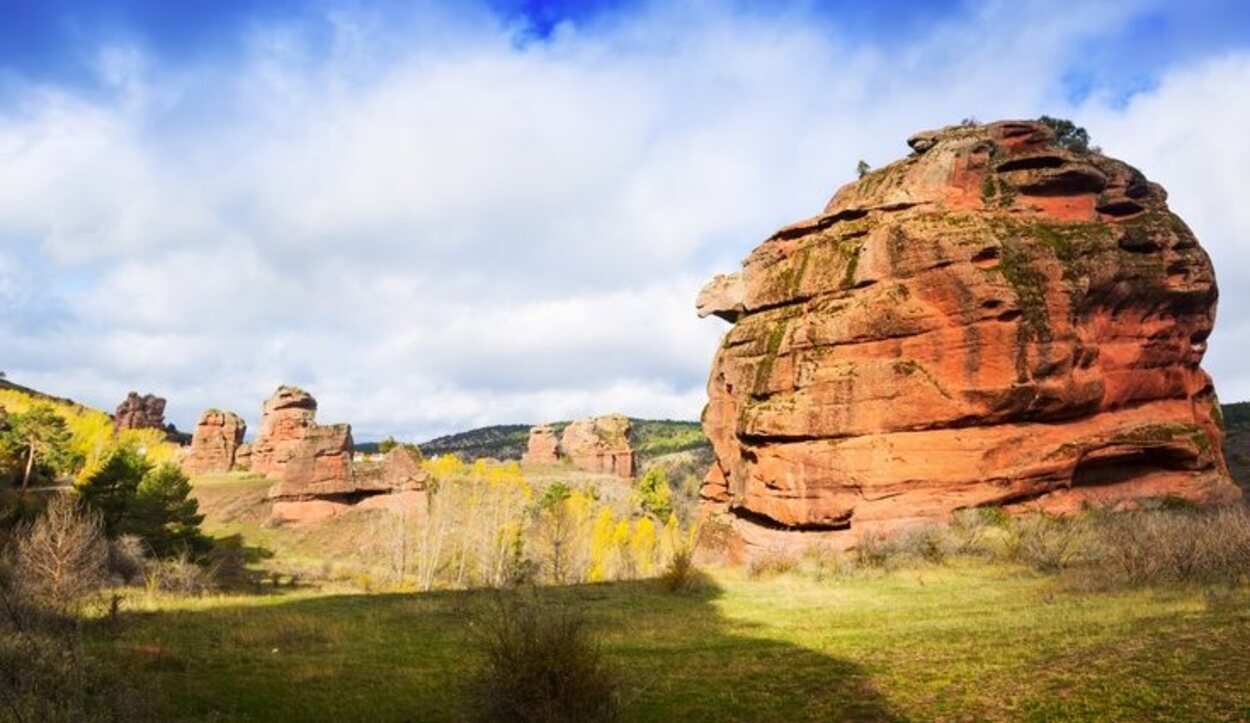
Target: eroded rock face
x,y
993,320
543,446
140,412
600,444
308,459
215,444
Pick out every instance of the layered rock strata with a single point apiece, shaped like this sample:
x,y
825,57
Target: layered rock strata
x,y
307,459
996,319
215,443
313,465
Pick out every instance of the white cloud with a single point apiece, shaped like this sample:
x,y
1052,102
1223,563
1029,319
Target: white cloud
x,y
1189,133
442,227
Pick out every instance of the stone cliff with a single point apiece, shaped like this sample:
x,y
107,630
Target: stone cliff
x,y
996,319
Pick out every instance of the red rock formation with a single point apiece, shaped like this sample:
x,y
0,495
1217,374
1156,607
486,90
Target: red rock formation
x,y
140,412
215,443
993,320
543,446
398,484
308,459
600,444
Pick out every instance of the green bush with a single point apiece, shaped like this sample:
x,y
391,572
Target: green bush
x,y
1068,134
539,663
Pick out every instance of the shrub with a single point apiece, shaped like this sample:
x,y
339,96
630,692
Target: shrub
x,y
1068,134
823,562
60,557
1186,546
873,550
680,574
180,575
771,564
1048,543
931,543
540,664
127,558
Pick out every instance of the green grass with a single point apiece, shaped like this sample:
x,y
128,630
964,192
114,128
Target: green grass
x,y
966,642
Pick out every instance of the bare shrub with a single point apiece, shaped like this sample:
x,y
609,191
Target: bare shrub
x,y
771,564
60,557
1047,543
1175,545
127,559
180,575
822,562
540,664
680,574
931,543
874,550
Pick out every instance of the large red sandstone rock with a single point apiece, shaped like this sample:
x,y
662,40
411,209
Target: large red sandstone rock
x,y
307,459
543,446
215,443
600,444
993,320
140,412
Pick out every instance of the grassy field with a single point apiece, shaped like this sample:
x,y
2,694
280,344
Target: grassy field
x,y
964,642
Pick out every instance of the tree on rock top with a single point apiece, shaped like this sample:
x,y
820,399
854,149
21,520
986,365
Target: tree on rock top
x,y
1068,134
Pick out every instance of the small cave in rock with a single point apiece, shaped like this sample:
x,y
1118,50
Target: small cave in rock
x,y
766,522
1030,163
1129,465
988,257
1120,208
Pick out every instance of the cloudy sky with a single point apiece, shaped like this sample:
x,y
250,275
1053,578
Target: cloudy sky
x,y
437,216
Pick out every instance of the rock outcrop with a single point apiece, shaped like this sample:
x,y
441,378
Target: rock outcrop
x,y
215,443
599,444
313,466
543,446
307,459
397,484
140,412
996,319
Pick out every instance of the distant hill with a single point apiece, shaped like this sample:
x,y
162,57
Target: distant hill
x,y
1237,443
650,438
91,430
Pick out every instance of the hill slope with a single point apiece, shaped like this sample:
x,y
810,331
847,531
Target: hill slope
x,y
91,429
1237,443
650,438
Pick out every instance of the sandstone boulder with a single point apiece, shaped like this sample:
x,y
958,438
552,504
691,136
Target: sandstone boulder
x,y
600,444
993,320
543,446
215,443
140,412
